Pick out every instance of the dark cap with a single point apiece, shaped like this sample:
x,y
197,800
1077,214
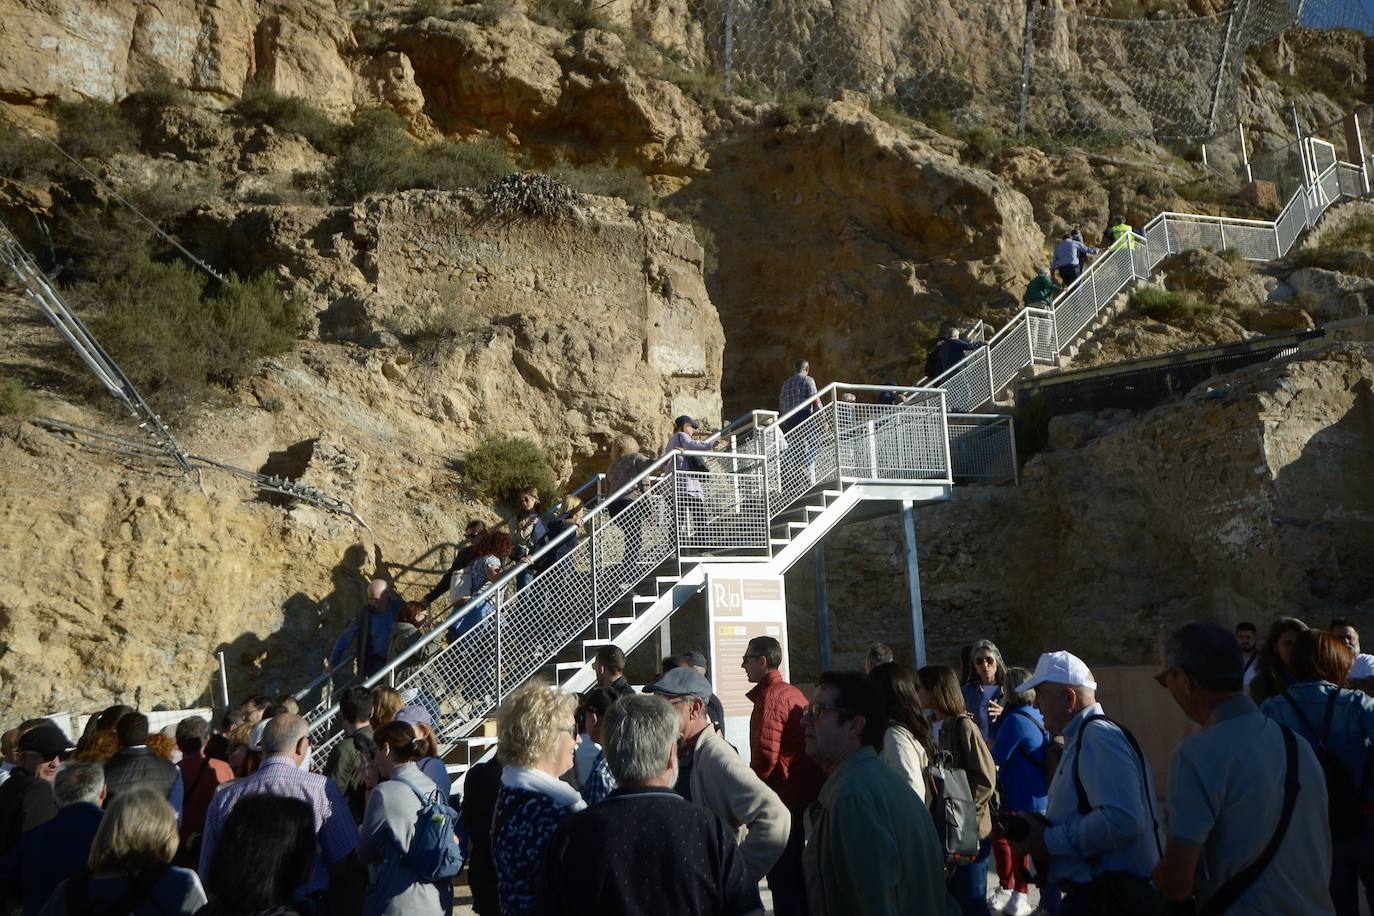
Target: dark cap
x,y
48,741
685,420
694,658
681,682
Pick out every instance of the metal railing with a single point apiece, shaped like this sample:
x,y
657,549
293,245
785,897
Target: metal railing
x,y
1039,335
668,514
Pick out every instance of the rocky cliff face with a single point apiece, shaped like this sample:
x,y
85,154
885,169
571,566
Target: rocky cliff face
x,y
586,337
1246,503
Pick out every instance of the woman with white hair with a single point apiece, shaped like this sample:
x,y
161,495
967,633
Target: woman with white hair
x,y
538,736
130,865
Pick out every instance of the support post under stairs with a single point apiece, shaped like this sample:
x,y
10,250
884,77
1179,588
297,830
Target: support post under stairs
x,y
822,607
913,582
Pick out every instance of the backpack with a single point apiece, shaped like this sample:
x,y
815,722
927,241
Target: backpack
x,y
954,811
434,854
1052,751
1344,799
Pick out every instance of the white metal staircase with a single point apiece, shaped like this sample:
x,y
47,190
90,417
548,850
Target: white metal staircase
x,y
1041,336
647,549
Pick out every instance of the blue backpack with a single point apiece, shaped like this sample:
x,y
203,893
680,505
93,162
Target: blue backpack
x,y
434,854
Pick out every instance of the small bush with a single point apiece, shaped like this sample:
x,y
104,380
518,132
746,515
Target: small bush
x,y
604,179
15,399
488,12
798,107
502,464
570,15
23,156
260,105
983,144
174,339
1333,250
142,108
891,110
94,129
1161,305
378,155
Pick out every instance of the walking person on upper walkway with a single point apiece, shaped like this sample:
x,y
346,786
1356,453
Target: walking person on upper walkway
x,y
799,389
1068,258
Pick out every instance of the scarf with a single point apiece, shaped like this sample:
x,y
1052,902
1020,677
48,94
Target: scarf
x,y
564,795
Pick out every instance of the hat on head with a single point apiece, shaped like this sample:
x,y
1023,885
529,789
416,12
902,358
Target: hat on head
x,y
681,682
685,420
695,658
46,740
493,562
1061,668
1363,669
415,715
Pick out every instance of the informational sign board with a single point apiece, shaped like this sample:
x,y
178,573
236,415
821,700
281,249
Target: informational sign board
x,y
740,609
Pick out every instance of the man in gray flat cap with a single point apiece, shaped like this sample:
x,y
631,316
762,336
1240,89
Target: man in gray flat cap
x,y
712,775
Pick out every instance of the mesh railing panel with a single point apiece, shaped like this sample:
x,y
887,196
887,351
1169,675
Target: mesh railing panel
x,y
893,442
1071,315
1351,183
1157,238
1112,274
803,457
723,511
969,385
981,451
1043,340
1009,354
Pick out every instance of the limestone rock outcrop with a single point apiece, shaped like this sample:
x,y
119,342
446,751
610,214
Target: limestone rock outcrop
x,y
835,237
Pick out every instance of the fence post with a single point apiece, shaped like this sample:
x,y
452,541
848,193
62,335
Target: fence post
x,y
729,51
596,591
835,429
992,384
1244,150
499,617
1222,227
1025,71
224,681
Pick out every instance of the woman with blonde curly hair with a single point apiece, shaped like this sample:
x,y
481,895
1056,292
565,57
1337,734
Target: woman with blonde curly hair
x,y
538,736
129,865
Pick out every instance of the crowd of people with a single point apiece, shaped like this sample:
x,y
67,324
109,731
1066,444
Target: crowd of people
x,y
888,791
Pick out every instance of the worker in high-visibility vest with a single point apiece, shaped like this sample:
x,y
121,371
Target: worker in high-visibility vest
x,y
1118,230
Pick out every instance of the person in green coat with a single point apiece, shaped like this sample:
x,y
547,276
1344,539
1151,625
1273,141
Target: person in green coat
x,y
873,849
1041,290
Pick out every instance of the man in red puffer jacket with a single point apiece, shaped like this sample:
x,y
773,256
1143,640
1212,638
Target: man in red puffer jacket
x,y
777,753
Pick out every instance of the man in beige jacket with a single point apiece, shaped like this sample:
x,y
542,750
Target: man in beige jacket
x,y
712,775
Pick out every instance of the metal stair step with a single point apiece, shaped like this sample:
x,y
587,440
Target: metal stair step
x,y
646,599
595,642
621,621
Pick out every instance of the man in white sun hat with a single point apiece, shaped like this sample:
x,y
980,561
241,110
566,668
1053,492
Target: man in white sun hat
x,y
1102,837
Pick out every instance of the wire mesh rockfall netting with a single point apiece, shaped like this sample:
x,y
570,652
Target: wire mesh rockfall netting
x,y
1036,67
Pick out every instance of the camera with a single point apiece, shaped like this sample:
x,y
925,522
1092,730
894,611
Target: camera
x,y
1014,826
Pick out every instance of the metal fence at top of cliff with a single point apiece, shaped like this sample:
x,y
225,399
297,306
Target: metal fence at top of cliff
x,y
1035,67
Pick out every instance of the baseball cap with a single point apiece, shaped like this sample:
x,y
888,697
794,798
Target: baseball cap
x,y
415,715
685,420
1061,668
695,659
681,682
1363,669
48,741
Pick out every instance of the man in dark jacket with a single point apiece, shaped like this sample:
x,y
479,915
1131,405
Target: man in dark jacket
x,y
26,798
610,670
461,559
137,766
55,850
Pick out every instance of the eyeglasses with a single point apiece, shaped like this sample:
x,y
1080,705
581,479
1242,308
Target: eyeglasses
x,y
985,660
812,711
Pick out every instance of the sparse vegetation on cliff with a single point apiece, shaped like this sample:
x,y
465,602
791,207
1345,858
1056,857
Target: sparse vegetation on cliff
x,y
500,465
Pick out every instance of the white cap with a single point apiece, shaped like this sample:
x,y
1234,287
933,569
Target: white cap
x,y
1060,668
1363,669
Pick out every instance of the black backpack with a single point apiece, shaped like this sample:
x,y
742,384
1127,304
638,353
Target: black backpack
x,y
1344,799
953,809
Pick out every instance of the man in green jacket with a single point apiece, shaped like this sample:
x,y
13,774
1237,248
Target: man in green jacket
x,y
873,848
1041,290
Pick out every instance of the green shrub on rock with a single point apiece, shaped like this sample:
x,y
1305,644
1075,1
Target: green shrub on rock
x,y
502,464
